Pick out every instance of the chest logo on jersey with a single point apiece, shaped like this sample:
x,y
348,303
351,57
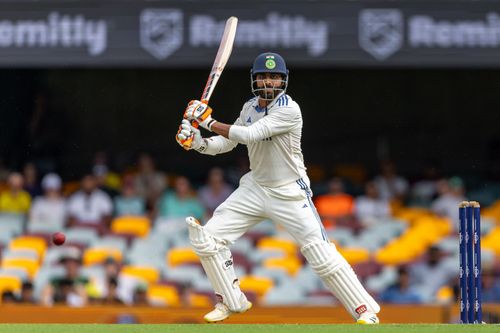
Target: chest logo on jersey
x,y
268,139
249,120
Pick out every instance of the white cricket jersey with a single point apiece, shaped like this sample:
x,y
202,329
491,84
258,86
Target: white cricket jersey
x,y
273,137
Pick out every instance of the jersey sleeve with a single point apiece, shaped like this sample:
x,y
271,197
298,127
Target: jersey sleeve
x,y
281,120
218,144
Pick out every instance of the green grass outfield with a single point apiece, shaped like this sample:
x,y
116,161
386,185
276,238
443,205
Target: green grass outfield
x,y
234,328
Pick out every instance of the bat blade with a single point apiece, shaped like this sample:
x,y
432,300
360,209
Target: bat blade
x,y
223,54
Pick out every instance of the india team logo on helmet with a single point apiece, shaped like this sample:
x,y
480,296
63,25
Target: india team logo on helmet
x,y
270,63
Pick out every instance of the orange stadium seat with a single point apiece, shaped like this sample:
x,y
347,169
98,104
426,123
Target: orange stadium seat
x,y
146,273
135,225
30,265
181,256
288,247
98,255
256,284
163,295
37,244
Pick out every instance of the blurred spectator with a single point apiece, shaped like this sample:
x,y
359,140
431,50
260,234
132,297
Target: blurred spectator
x,y
451,193
69,289
149,183
389,184
31,184
128,202
140,297
104,289
8,297
90,205
27,293
15,199
49,209
181,203
424,190
215,191
490,284
102,170
401,292
336,205
370,208
101,173
432,274
111,297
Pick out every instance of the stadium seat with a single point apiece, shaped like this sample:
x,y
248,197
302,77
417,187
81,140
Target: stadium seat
x,y
290,265
20,253
27,242
30,265
286,294
136,225
185,275
163,295
148,274
198,299
81,235
288,247
97,255
21,273
256,284
181,256
10,283
111,241
12,222
45,227
355,255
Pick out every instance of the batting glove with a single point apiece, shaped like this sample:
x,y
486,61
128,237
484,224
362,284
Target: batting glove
x,y
201,113
189,137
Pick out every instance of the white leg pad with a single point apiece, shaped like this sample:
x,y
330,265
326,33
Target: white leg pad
x,y
339,278
217,261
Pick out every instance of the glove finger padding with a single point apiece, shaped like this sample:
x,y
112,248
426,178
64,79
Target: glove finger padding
x,y
184,136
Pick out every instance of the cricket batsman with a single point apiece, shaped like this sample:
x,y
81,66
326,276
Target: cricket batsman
x,y
276,188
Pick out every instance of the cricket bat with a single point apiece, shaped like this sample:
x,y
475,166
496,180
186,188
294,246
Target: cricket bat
x,y
225,48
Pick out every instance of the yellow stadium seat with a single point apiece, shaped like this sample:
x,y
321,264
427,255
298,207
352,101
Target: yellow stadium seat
x,y
197,300
98,255
37,244
257,284
163,295
355,255
291,265
10,283
30,265
135,225
288,247
148,274
444,294
181,256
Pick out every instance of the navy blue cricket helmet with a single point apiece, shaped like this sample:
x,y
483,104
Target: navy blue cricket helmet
x,y
268,62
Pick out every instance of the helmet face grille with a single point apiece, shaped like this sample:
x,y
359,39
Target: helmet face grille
x,y
268,63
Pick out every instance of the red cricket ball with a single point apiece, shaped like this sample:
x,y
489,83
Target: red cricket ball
x,y
58,238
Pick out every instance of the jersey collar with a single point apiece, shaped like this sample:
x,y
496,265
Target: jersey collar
x,y
270,105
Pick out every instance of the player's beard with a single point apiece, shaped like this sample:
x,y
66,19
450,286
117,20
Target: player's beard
x,y
267,95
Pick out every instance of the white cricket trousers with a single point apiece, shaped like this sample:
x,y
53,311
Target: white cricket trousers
x,y
290,206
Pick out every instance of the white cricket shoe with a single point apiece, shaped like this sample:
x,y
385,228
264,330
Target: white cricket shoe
x,y
222,312
368,318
